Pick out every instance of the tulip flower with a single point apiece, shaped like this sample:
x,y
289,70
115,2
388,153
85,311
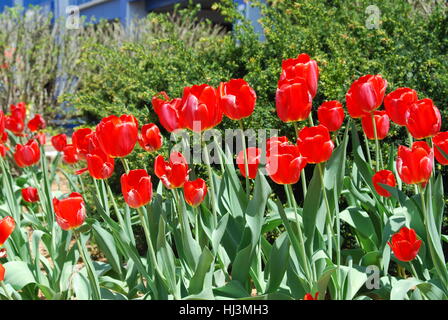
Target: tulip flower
x,y
173,174
414,165
59,142
70,212
284,162
382,124
15,125
365,95
293,101
117,136
2,272
275,143
80,141
2,122
7,226
397,104
253,160
37,123
18,111
30,194
384,177
3,137
440,140
136,187
28,154
405,245
150,138
100,165
168,111
70,154
3,150
301,67
331,114
424,119
200,108
315,144
195,192
309,296
237,99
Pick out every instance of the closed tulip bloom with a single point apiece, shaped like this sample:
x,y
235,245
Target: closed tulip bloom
x,y
414,165
80,141
30,194
195,192
440,140
2,272
70,212
70,154
424,119
284,163
384,177
301,67
167,110
18,111
382,125
117,136
136,187
150,138
237,99
397,104
405,245
100,165
253,160
15,125
28,154
331,114
173,174
275,143
37,123
365,95
200,108
293,101
309,296
7,226
59,142
315,144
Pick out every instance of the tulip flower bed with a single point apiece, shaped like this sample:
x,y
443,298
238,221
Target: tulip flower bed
x,y
212,238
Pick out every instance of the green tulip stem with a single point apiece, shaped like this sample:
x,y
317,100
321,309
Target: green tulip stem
x,y
125,165
212,185
369,157
414,272
196,213
378,155
246,164
302,173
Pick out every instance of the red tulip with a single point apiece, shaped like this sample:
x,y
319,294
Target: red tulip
x,y
3,150
200,108
405,245
174,173
293,101
70,154
424,119
136,187
2,122
195,192
41,138
309,296
414,165
117,136
301,67
70,212
28,154
37,123
100,165
80,140
3,137
59,142
384,177
2,272
331,114
7,226
365,95
15,125
253,160
237,99
284,162
30,194
440,140
168,111
18,111
397,104
315,144
150,138
275,143
382,125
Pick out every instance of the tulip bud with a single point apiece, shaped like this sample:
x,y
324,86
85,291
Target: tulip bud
x,y
405,245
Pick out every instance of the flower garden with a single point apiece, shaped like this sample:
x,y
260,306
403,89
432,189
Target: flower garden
x,y
330,212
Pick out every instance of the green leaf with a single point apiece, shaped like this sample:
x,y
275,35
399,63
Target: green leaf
x,y
106,243
18,274
278,262
199,282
